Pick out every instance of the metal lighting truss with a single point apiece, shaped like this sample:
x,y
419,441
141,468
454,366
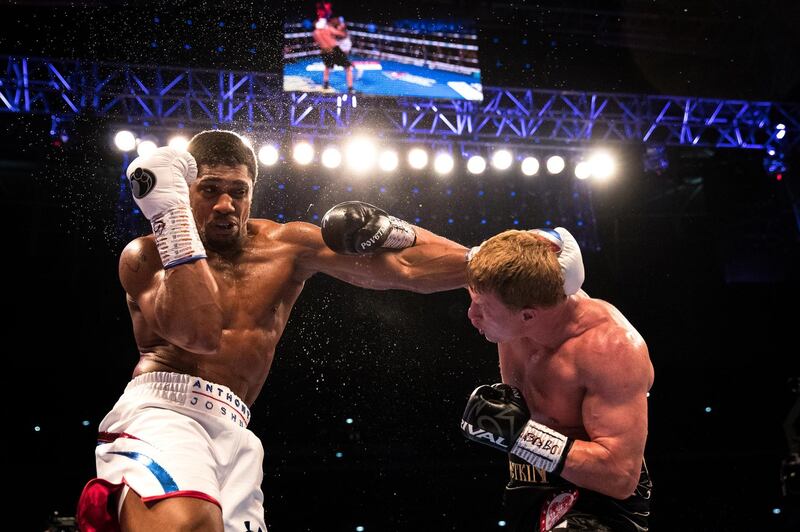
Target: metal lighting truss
x,y
163,97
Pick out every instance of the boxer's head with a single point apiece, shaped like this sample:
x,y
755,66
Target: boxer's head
x,y
222,194
512,275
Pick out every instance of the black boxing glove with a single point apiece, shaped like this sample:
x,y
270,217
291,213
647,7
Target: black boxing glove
x,y
358,228
498,416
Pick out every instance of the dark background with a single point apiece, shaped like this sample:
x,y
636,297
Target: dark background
x,y
702,258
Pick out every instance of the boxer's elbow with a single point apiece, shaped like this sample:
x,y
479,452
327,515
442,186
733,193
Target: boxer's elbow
x,y
205,342
623,484
202,337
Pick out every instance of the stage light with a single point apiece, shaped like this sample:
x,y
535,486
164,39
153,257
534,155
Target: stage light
x,y
388,160
125,141
443,163
418,158
502,159
331,157
476,164
268,155
781,133
530,165
360,154
178,142
349,421
303,153
602,165
583,170
146,147
555,164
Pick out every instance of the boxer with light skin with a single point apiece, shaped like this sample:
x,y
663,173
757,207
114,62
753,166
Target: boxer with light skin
x,y
209,294
572,408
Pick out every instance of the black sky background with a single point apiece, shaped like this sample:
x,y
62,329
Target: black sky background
x,y
702,259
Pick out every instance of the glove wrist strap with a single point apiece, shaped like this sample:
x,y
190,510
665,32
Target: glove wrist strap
x,y
542,447
176,237
402,235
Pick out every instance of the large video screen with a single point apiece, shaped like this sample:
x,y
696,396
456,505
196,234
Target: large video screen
x,y
329,52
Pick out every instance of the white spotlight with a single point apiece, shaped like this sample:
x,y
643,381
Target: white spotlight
x,y
303,152
583,170
268,155
361,154
443,163
388,160
502,159
476,164
178,142
418,158
530,165
602,165
555,164
125,141
146,147
331,157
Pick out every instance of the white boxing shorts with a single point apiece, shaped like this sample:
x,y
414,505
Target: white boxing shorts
x,y
175,435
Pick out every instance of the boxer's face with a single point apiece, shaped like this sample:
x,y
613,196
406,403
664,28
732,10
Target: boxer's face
x,y
492,318
220,200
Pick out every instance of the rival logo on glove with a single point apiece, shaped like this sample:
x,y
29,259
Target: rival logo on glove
x,y
480,434
142,182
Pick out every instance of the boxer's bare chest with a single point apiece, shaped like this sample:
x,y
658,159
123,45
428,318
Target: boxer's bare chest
x,y
256,291
550,382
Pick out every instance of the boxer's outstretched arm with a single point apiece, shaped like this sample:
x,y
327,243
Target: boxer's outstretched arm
x,y
180,304
432,264
617,376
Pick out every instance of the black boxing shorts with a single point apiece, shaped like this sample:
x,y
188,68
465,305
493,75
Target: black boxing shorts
x,y
537,501
335,57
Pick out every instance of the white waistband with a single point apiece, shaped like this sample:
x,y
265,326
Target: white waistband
x,y
192,392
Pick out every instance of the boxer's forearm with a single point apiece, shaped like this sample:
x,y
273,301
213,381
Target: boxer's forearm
x,y
188,309
433,264
590,465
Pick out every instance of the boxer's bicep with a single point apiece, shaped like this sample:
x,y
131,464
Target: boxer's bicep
x,y
614,410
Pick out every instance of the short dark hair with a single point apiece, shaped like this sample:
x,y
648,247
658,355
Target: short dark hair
x,y
218,147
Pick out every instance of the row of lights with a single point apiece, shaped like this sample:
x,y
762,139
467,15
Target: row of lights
x,y
361,155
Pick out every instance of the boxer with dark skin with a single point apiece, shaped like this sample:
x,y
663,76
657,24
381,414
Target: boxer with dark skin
x,y
576,376
219,318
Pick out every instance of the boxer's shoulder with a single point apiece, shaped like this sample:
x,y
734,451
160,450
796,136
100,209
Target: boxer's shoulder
x,y
297,233
609,350
141,254
139,263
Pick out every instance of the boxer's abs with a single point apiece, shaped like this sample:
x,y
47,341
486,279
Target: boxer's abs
x,y
242,363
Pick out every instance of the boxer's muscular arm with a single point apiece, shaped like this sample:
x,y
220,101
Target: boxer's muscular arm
x,y
181,304
617,375
432,264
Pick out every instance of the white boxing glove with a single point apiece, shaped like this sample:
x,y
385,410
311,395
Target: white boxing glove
x,y
568,252
160,186
161,180
569,257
